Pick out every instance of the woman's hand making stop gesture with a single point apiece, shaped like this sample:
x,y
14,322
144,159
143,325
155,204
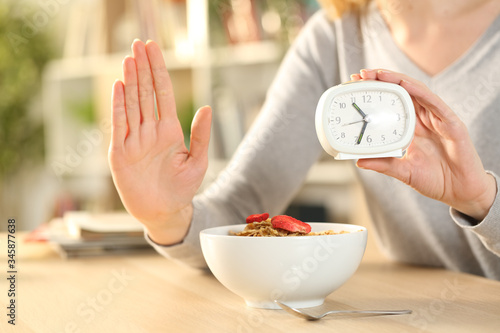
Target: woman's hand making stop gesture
x,y
155,174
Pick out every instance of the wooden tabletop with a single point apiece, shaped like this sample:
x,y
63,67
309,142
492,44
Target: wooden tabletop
x,y
149,293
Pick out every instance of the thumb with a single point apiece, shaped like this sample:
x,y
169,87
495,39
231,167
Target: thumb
x,y
200,132
390,166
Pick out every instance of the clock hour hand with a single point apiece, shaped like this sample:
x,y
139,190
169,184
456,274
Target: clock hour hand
x,y
362,133
359,110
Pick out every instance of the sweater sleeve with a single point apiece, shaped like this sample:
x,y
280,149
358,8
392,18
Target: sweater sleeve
x,y
487,230
272,161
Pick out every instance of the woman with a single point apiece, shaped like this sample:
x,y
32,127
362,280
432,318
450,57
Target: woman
x,y
443,211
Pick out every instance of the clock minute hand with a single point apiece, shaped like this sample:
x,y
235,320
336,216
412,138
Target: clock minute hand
x,y
365,122
362,132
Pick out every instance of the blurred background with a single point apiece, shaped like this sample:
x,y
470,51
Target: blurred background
x,y
59,59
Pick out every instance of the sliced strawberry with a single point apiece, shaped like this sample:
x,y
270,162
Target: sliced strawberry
x,y
257,217
290,224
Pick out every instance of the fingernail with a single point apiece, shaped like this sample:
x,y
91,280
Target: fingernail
x,y
383,71
135,40
359,166
125,59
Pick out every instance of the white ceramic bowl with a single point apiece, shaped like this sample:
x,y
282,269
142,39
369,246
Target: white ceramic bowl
x,y
300,271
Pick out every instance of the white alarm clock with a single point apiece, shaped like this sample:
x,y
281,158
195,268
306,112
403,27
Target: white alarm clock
x,y
365,119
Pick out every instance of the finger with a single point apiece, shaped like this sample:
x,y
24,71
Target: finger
x,y
200,133
368,74
161,80
131,95
119,126
355,77
145,81
421,93
432,102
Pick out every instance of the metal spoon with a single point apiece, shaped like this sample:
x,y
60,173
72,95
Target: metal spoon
x,y
300,313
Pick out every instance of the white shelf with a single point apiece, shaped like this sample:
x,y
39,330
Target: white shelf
x,y
92,66
246,54
200,62
331,173
323,173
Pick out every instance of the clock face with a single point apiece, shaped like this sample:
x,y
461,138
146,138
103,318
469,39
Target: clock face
x,y
367,118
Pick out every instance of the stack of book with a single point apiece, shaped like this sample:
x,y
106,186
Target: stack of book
x,y
80,233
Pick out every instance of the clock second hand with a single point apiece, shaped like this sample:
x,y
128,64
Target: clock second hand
x,y
354,122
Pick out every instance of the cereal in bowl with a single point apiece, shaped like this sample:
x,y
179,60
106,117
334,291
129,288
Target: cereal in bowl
x,y
261,225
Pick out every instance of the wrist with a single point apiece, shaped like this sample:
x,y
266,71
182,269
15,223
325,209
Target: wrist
x,y
172,229
479,209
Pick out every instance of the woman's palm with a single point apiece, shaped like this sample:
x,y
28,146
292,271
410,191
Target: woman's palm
x,y
156,176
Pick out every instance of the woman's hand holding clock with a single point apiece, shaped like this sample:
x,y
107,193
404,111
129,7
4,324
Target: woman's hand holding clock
x,y
441,162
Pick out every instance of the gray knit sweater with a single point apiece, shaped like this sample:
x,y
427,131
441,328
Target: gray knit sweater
x,y
272,162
